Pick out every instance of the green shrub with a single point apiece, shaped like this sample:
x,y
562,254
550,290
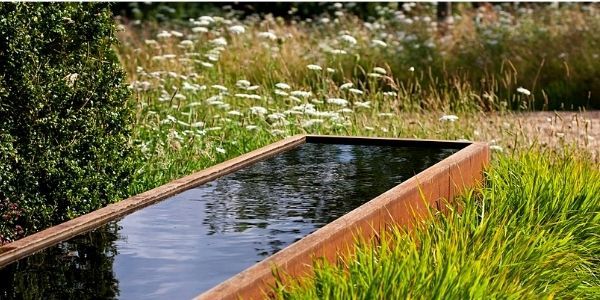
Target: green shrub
x,y
64,118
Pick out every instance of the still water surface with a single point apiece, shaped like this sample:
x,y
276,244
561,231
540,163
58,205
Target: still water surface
x,y
190,242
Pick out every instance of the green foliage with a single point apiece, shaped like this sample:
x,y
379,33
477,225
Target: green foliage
x,y
531,233
64,122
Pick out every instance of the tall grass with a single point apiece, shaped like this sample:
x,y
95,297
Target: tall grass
x,y
193,110
532,232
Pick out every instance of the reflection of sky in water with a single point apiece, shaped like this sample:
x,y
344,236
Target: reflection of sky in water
x,y
188,243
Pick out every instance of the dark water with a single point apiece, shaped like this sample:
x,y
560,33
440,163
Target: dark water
x,y
188,243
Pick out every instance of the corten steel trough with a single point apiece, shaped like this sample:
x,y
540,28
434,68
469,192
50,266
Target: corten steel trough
x,y
400,205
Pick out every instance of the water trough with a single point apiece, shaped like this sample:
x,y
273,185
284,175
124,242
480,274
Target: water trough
x,y
219,232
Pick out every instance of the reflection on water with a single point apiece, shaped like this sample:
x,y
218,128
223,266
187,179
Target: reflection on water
x,y
186,244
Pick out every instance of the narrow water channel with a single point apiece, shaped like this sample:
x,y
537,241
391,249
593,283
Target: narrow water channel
x,y
186,244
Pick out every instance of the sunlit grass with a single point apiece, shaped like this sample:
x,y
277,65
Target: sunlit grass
x,y
532,232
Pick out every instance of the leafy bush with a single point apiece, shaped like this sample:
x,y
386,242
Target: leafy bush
x,y
64,117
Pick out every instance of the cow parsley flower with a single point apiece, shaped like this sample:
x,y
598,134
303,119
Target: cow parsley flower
x,y
176,33
346,85
449,118
283,86
267,35
356,91
258,110
237,29
314,67
348,39
281,93
242,83
163,35
523,91
337,101
379,43
219,41
366,104
219,87
199,29
312,122
301,94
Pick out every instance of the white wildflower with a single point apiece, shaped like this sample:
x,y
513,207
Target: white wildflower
x,y
199,29
366,104
338,51
390,93
242,83
348,39
207,19
237,29
337,101
258,110
330,70
206,64
163,35
312,122
186,43
267,35
523,91
234,113
355,91
276,116
220,150
219,41
251,127
219,87
301,94
249,96
283,86
379,43
314,67
411,69
449,118
176,33
280,93
346,85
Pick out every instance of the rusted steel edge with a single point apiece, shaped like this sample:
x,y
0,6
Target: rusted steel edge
x,y
402,205
48,237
